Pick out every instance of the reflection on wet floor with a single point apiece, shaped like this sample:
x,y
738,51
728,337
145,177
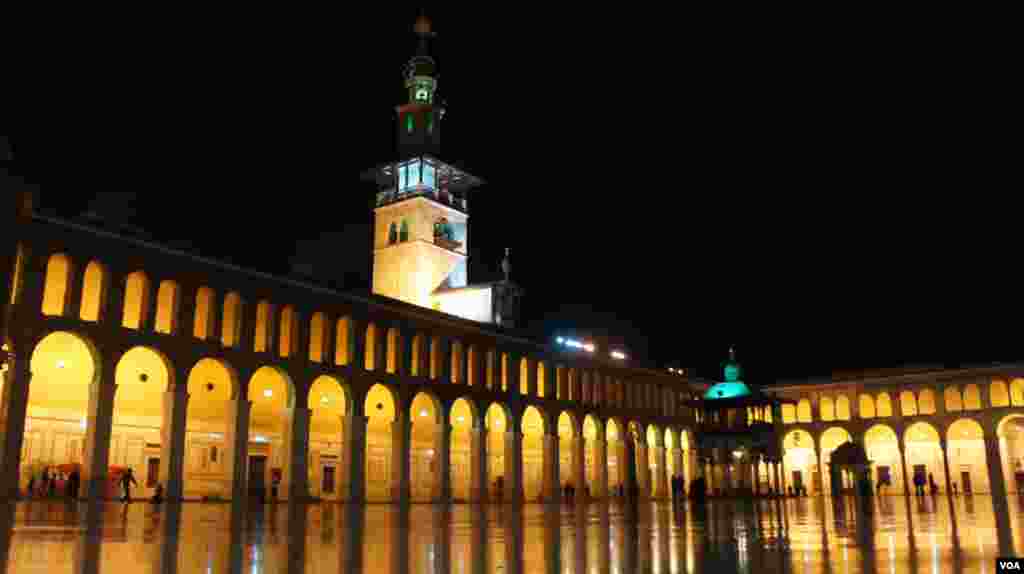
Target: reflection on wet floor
x,y
892,535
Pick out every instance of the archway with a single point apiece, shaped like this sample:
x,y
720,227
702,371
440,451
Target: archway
x,y
211,390
591,434
800,462
497,425
688,471
1011,450
425,414
965,447
670,461
924,453
329,403
379,407
142,376
533,454
638,437
655,461
830,440
883,451
65,368
566,438
272,396
462,419
613,435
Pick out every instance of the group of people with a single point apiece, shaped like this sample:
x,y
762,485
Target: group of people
x,y
920,481
53,480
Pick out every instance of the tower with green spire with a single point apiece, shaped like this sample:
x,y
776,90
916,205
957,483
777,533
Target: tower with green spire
x,y
732,386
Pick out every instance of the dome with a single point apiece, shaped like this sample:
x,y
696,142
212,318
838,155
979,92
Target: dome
x,y
727,390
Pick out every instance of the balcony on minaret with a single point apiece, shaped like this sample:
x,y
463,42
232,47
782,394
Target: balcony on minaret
x,y
444,236
424,177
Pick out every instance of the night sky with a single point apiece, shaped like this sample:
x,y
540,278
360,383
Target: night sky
x,y
819,200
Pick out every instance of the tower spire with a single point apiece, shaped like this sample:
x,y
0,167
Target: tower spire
x,y
506,264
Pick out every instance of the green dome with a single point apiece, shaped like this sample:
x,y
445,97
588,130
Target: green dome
x,y
727,390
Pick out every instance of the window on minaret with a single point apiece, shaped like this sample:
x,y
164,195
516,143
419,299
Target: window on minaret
x,y
430,122
392,234
403,234
429,173
410,122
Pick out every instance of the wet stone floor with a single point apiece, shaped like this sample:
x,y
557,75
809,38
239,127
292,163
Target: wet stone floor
x,y
892,535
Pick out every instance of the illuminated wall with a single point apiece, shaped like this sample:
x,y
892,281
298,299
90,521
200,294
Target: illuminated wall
x,y
411,270
474,304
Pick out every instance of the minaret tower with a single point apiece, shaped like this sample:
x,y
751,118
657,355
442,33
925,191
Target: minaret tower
x,y
421,213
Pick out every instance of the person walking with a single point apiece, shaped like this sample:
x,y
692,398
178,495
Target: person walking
x,y
74,483
127,480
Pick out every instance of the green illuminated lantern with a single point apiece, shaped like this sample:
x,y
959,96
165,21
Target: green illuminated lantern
x,y
732,387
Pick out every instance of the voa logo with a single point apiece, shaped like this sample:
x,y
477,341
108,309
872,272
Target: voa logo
x,y
1009,565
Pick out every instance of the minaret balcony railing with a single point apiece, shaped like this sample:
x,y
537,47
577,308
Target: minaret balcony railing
x,y
390,196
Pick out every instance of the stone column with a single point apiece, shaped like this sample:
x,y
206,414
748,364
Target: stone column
x,y
819,480
996,480
237,443
601,462
943,445
903,461
478,483
172,441
661,479
579,466
643,471
442,461
401,431
97,435
295,474
513,483
551,489
354,456
15,405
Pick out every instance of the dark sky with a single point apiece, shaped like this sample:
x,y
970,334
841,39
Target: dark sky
x,y
831,199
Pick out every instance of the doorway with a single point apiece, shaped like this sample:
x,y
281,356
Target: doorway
x,y
152,472
965,480
257,480
327,481
798,482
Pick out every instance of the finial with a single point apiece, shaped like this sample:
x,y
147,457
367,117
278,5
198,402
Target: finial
x,y
506,264
732,353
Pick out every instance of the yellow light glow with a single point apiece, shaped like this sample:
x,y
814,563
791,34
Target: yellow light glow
x,y
268,393
423,413
61,364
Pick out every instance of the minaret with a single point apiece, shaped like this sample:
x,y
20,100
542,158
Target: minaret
x,y
422,213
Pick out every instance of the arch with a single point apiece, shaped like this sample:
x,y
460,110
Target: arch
x,y
264,327
463,420
524,377
380,406
288,338
496,422
94,291
317,337
392,233
788,413
999,395
953,399
343,342
592,433
965,448
473,365
542,383
231,327
65,368
394,350
829,441
560,385
329,399
436,358
271,393
534,430
828,409
800,461
803,411
142,376
842,408
330,402
168,303
972,397
924,452
504,372
57,285
866,406
203,321
1017,392
926,402
458,356
403,232
416,362
568,426
883,405
492,374
212,386
136,301
882,447
425,412
908,403
372,340
613,433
